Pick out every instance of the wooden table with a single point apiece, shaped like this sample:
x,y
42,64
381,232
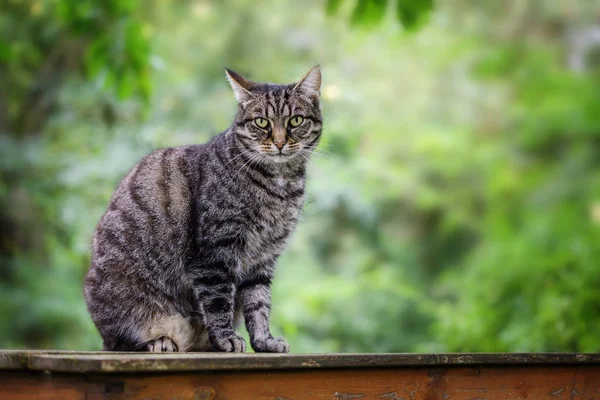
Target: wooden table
x,y
211,376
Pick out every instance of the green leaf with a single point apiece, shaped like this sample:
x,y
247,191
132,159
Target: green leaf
x,y
5,51
368,13
333,6
120,8
96,56
413,13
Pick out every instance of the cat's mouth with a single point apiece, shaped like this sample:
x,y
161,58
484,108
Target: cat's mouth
x,y
281,156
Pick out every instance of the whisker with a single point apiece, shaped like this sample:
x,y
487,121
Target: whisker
x,y
242,153
316,153
304,156
246,164
321,150
235,168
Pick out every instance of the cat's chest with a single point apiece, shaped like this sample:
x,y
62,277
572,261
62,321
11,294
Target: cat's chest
x,y
271,222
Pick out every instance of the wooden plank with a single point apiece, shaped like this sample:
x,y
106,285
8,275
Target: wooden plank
x,y
19,359
136,362
513,382
13,359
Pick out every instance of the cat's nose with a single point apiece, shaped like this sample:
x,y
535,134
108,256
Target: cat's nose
x,y
280,145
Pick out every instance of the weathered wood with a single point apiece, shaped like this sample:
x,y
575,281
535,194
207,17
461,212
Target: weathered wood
x,y
19,359
536,382
210,376
146,362
13,359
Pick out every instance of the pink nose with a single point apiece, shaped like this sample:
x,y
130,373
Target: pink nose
x,y
280,145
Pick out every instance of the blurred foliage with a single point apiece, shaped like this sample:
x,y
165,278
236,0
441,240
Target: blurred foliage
x,y
454,204
368,13
46,46
44,41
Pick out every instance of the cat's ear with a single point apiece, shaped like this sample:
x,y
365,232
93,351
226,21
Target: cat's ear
x,y
311,83
241,86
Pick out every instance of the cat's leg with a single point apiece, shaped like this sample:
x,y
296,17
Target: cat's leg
x,y
255,296
215,292
200,341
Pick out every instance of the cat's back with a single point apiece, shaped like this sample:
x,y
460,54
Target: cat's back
x,y
151,208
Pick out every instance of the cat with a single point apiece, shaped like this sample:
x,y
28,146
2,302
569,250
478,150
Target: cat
x,y
188,245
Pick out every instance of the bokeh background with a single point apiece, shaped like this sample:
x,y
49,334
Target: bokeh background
x,y
454,203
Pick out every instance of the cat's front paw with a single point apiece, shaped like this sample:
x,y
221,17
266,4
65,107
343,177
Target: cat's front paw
x,y
270,345
229,342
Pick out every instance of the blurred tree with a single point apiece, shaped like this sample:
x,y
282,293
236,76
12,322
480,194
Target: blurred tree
x,y
43,46
368,13
453,203
44,42
531,282
514,266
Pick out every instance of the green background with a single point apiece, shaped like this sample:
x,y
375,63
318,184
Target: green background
x,y
453,205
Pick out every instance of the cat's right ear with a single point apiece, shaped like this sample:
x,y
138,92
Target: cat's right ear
x,y
311,83
241,86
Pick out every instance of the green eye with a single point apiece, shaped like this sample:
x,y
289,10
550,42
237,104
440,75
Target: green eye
x,y
261,122
296,121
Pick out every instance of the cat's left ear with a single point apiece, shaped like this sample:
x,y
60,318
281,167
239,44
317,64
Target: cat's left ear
x,y
241,86
310,85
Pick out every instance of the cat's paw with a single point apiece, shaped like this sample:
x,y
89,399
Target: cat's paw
x,y
271,345
229,343
162,345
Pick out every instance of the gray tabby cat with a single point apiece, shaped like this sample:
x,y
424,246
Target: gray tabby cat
x,y
190,239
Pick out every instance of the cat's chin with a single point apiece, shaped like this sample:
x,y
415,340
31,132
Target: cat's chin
x,y
281,158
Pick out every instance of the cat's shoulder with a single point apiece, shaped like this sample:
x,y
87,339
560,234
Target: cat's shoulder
x,y
168,155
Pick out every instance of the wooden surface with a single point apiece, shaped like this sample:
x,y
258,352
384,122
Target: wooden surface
x,y
174,362
208,376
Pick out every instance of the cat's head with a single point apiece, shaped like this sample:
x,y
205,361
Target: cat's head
x,y
277,123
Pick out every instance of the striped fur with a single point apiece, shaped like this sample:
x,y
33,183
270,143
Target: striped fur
x,y
190,239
